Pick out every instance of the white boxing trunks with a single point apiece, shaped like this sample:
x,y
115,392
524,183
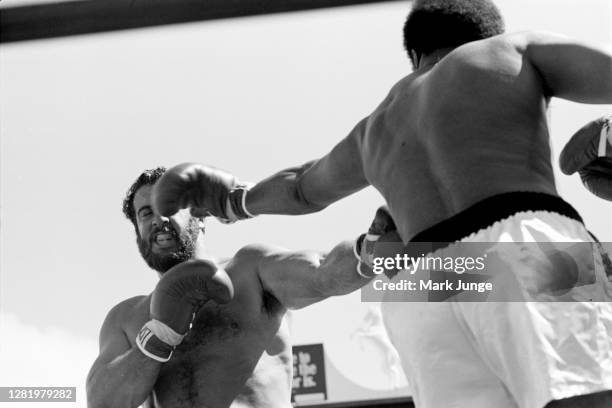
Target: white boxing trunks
x,y
513,353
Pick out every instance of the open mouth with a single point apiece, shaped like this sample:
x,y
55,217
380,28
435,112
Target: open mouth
x,y
164,240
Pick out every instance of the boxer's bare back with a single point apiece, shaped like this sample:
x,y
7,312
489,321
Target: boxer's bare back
x,y
469,127
468,124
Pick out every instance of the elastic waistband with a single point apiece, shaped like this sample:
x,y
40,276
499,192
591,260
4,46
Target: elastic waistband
x,y
485,213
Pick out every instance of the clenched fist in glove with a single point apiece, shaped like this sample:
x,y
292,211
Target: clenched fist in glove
x,y
382,229
204,189
589,152
179,294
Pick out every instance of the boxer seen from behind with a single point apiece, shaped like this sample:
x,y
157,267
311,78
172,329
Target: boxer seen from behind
x,y
460,151
209,335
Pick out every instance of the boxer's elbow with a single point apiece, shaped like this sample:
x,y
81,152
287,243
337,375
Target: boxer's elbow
x,y
100,395
97,402
95,397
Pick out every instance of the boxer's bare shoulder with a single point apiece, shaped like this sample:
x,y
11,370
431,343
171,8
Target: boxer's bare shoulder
x,y
134,306
244,269
463,126
536,63
506,66
126,317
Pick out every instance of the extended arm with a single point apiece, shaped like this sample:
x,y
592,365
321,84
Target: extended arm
x,y
121,376
316,184
571,70
298,190
298,279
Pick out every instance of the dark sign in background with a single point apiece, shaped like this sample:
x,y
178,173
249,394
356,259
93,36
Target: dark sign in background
x,y
308,373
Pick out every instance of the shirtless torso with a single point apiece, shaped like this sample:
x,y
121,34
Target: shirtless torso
x,y
470,124
236,355
469,127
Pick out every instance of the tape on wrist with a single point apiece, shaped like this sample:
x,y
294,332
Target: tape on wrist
x,y
367,251
236,204
358,250
157,341
605,138
357,246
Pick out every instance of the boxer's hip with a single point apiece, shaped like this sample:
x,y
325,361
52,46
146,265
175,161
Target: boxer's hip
x,y
540,335
525,246
483,215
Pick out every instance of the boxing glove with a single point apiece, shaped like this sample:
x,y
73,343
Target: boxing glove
x,y
207,191
179,294
383,229
589,152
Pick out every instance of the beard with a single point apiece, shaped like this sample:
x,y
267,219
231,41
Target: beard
x,y
186,240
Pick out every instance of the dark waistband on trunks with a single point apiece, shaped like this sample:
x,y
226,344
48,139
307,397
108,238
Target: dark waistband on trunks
x,y
485,213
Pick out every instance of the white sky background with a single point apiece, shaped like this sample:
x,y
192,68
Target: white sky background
x,y
80,117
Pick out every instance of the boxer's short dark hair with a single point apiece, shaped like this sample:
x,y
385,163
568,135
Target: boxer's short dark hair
x,y
147,177
436,24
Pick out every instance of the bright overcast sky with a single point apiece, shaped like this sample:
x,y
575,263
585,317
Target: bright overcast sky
x,y
80,117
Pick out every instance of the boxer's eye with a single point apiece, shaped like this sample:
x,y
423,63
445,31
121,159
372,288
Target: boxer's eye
x,y
144,213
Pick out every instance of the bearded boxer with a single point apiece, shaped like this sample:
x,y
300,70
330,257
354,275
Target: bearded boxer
x,y
210,335
460,151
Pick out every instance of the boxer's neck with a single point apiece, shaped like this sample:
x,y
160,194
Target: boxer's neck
x,y
431,59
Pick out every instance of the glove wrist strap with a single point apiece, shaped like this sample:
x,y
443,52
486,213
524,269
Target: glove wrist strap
x,y
236,204
357,246
157,341
605,137
364,254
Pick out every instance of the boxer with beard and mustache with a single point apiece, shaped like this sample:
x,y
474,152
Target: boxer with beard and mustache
x,y
186,240
224,353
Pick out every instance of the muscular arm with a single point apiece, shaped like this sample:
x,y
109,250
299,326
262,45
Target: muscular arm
x,y
121,376
570,70
314,185
298,279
